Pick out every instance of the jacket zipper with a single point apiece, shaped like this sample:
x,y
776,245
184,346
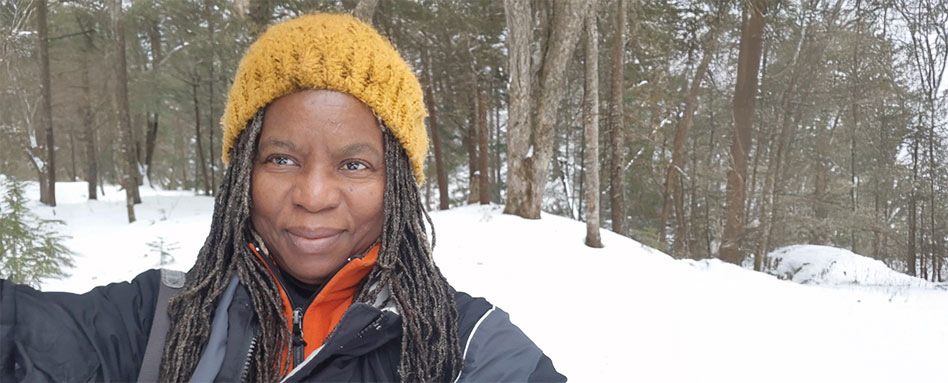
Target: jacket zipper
x,y
249,359
298,343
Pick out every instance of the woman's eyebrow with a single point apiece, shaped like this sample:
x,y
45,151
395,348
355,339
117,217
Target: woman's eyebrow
x,y
278,143
359,148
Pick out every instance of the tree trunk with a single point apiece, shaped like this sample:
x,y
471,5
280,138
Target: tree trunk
x,y
364,10
745,94
88,133
212,159
150,139
591,131
616,140
673,182
202,164
530,164
435,135
913,209
72,152
519,116
471,143
48,168
820,211
120,105
482,155
157,54
259,13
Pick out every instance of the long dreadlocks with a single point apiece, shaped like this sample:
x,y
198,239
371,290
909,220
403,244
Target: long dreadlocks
x,y
430,348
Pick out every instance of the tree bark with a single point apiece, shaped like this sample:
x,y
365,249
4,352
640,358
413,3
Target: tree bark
x,y
259,12
482,155
519,117
88,133
673,182
591,131
471,143
435,134
48,169
364,10
197,133
212,160
154,40
616,137
530,164
120,105
745,94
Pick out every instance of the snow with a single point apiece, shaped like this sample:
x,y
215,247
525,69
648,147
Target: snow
x,y
812,264
625,312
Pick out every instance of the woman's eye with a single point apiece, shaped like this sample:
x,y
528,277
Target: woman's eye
x,y
354,165
281,160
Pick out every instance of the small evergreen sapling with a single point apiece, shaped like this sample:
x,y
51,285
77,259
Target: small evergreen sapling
x,y
163,248
30,247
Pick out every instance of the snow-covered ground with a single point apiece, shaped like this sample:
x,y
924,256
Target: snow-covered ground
x,y
622,313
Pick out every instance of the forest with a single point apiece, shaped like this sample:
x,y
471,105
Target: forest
x,y
703,128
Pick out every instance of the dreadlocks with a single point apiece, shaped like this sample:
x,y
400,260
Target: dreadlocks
x,y
430,349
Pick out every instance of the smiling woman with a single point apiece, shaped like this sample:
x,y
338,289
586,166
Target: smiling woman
x,y
317,266
317,182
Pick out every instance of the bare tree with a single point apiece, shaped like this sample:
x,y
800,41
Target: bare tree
x,y
364,10
529,162
120,106
616,138
47,184
435,133
673,183
88,130
745,94
927,22
482,154
591,130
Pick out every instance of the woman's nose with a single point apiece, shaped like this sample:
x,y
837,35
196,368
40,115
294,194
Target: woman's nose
x,y
317,190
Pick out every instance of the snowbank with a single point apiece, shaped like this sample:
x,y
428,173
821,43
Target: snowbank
x,y
824,265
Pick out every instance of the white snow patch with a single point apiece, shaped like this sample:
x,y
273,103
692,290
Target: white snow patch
x,y
824,265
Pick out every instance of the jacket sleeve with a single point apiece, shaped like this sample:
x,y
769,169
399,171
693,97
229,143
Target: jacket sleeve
x,y
498,351
53,336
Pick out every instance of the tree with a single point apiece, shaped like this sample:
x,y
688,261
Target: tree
x,y
31,249
528,160
745,93
48,174
364,10
674,190
591,130
616,117
120,106
435,134
928,49
482,154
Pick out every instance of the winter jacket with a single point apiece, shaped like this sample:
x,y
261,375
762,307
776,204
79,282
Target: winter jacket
x,y
102,336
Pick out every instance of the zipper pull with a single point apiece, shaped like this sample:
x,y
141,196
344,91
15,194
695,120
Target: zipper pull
x,y
298,343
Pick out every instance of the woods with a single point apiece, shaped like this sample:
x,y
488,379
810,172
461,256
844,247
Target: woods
x,y
706,129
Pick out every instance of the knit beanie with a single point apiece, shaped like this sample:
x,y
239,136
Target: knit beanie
x,y
333,52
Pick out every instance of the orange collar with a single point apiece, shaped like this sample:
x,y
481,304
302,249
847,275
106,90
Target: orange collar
x,y
325,311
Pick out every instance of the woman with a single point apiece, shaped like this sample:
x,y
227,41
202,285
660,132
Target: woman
x,y
317,266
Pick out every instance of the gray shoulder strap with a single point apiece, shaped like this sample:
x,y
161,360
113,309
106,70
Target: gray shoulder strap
x,y
171,282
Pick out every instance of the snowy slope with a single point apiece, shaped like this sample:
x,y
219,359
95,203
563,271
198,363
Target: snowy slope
x,y
622,313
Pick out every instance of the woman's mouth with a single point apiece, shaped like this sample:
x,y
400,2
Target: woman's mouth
x,y
313,240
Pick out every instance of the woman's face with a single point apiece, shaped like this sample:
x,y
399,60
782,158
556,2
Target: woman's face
x,y
317,182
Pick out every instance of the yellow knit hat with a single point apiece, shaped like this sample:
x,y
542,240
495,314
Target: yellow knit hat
x,y
335,52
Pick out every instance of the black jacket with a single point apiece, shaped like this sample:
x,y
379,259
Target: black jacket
x,y
102,335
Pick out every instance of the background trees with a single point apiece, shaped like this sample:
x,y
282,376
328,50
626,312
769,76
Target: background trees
x,y
843,147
